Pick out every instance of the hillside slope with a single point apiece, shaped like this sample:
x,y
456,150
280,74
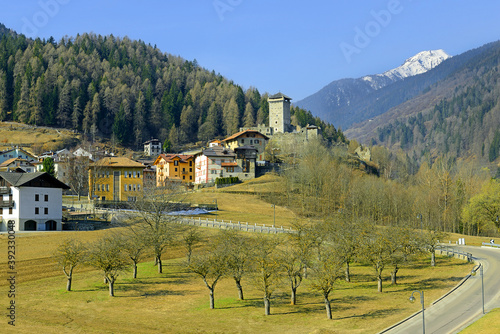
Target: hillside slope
x,y
125,90
459,115
347,101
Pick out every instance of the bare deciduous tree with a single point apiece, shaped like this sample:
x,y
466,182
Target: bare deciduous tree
x,y
134,245
69,254
267,267
106,254
238,251
326,271
191,236
153,219
211,267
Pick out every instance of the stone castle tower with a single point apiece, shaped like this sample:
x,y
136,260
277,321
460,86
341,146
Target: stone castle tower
x,y
279,113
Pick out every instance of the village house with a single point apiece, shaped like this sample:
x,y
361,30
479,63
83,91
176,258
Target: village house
x,y
152,148
116,179
16,153
18,163
213,162
250,138
32,201
174,168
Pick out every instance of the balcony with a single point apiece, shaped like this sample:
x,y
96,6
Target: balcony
x,y
184,172
6,204
4,190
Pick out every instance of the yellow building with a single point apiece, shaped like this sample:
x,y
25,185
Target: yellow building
x,y
250,138
174,168
116,179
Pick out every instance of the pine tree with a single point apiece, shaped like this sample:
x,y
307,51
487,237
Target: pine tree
x,y
209,128
188,122
64,107
36,102
120,125
3,96
139,119
87,117
249,119
77,114
48,166
22,111
231,117
95,111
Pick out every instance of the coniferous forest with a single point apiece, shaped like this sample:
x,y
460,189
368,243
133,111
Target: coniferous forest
x,y
125,90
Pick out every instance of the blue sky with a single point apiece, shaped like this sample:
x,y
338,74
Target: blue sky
x,y
289,46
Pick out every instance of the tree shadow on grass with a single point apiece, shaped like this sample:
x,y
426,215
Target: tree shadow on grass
x,y
352,299
252,302
372,314
430,283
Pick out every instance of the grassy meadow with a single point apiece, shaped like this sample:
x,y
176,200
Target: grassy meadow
x,y
177,301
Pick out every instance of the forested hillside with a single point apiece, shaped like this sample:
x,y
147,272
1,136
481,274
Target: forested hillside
x,y
458,116
125,90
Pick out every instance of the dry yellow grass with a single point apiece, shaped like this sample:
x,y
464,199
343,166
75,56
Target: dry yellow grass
x,y
46,139
177,302
488,324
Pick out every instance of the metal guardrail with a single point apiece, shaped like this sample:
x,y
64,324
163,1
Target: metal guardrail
x,y
207,222
451,251
491,244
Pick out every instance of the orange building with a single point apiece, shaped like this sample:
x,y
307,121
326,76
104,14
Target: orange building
x,y
174,168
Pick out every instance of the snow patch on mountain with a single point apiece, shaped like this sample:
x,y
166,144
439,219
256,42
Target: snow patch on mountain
x,y
418,64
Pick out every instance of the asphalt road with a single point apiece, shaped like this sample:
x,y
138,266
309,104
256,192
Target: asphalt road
x,y
464,305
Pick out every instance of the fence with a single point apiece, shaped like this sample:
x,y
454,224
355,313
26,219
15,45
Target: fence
x,y
207,222
450,251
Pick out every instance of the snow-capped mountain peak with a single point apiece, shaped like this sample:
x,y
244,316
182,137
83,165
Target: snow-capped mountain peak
x,y
418,64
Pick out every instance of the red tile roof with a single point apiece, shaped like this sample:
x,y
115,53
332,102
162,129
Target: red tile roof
x,y
241,133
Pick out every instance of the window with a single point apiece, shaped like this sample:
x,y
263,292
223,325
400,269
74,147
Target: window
x,y
190,177
243,141
46,211
134,187
107,187
125,174
176,169
129,187
190,170
10,210
37,197
130,174
256,141
138,187
37,211
126,187
98,187
107,173
190,163
251,142
176,163
230,169
139,174
183,177
46,198
135,174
